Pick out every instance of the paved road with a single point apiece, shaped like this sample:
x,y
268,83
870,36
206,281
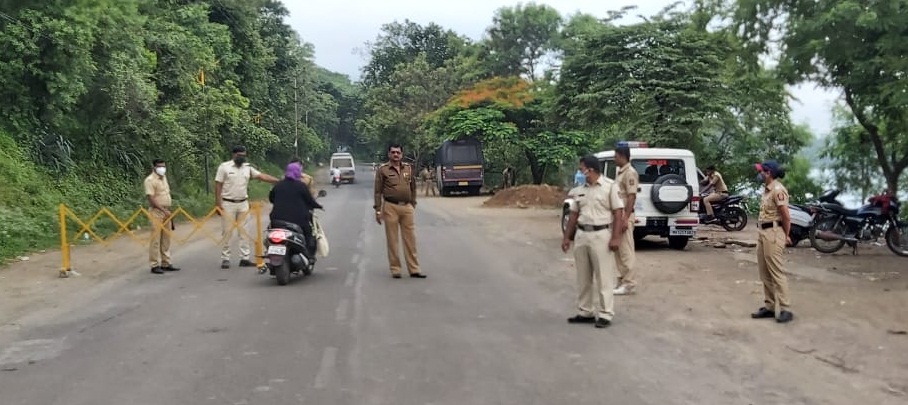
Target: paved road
x,y
474,332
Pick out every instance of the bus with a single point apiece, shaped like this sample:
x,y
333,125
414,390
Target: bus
x,y
459,166
344,162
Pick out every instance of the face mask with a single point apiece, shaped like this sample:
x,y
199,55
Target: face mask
x,y
160,170
239,160
761,178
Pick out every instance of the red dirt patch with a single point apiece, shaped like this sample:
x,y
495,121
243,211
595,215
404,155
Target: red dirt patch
x,y
526,196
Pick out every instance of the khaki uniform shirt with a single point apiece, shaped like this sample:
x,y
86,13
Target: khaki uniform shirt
x,y
309,182
235,180
775,195
398,185
158,188
719,184
628,180
596,202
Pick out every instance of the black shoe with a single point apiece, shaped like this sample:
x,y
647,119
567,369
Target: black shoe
x,y
395,275
157,270
246,263
603,323
170,267
785,316
225,264
763,313
582,319
418,275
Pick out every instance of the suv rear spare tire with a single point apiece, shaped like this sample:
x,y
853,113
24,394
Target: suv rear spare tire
x,y
671,194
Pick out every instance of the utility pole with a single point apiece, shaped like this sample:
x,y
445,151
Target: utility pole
x,y
296,117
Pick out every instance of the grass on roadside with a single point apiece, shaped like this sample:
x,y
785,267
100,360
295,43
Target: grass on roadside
x,y
30,197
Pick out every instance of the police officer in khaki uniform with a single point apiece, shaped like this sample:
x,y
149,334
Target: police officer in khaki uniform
x,y
395,204
628,180
157,189
720,191
231,190
428,178
774,225
597,213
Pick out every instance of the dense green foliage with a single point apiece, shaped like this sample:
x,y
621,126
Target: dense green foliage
x,y
95,89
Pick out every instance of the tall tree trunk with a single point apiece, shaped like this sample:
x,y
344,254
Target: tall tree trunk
x,y
536,170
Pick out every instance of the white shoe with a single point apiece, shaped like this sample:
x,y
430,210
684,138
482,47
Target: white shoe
x,y
623,290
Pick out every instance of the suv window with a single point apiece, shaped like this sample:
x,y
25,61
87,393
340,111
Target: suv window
x,y
651,169
648,169
609,168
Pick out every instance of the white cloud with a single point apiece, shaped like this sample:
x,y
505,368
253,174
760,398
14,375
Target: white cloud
x,y
339,28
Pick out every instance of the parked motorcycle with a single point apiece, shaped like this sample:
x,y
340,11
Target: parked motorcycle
x,y
836,226
730,212
287,251
803,215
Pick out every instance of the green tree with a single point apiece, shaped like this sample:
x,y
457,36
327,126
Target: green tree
x,y
401,43
520,37
855,47
396,111
507,114
853,163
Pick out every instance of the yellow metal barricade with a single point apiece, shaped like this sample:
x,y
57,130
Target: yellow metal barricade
x,y
123,227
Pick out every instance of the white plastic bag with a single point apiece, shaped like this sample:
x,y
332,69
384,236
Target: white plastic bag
x,y
321,241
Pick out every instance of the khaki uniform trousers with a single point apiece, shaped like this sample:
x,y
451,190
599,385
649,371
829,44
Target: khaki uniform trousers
x,y
627,256
235,213
711,198
770,245
159,246
595,264
400,219
430,185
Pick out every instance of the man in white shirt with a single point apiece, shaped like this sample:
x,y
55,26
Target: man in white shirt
x,y
231,190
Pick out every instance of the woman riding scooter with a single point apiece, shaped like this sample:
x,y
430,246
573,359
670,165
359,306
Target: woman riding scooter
x,y
292,202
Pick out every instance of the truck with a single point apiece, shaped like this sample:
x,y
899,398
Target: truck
x,y
459,166
344,162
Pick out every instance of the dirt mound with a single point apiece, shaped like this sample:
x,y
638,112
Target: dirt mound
x,y
544,196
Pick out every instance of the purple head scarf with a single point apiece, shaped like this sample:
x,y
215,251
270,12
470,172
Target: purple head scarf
x,y
294,171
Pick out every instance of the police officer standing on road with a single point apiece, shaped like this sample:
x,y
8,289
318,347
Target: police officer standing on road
x,y
157,189
628,180
231,190
395,203
774,225
597,212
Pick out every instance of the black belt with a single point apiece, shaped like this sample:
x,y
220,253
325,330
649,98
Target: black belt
x,y
234,201
767,225
392,201
591,228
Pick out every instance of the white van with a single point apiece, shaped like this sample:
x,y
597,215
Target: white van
x,y
344,162
668,198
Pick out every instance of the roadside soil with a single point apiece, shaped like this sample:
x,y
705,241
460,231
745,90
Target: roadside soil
x,y
846,345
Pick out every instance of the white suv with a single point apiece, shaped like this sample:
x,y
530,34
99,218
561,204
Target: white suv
x,y
668,198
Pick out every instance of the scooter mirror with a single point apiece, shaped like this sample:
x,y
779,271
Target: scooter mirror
x,y
322,193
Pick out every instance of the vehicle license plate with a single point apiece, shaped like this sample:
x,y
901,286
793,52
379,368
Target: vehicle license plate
x,y
277,250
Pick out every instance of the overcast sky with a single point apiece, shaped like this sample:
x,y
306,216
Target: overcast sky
x,y
339,29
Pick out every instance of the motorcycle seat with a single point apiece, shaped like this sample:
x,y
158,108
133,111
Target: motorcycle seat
x,y
286,225
838,209
731,199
